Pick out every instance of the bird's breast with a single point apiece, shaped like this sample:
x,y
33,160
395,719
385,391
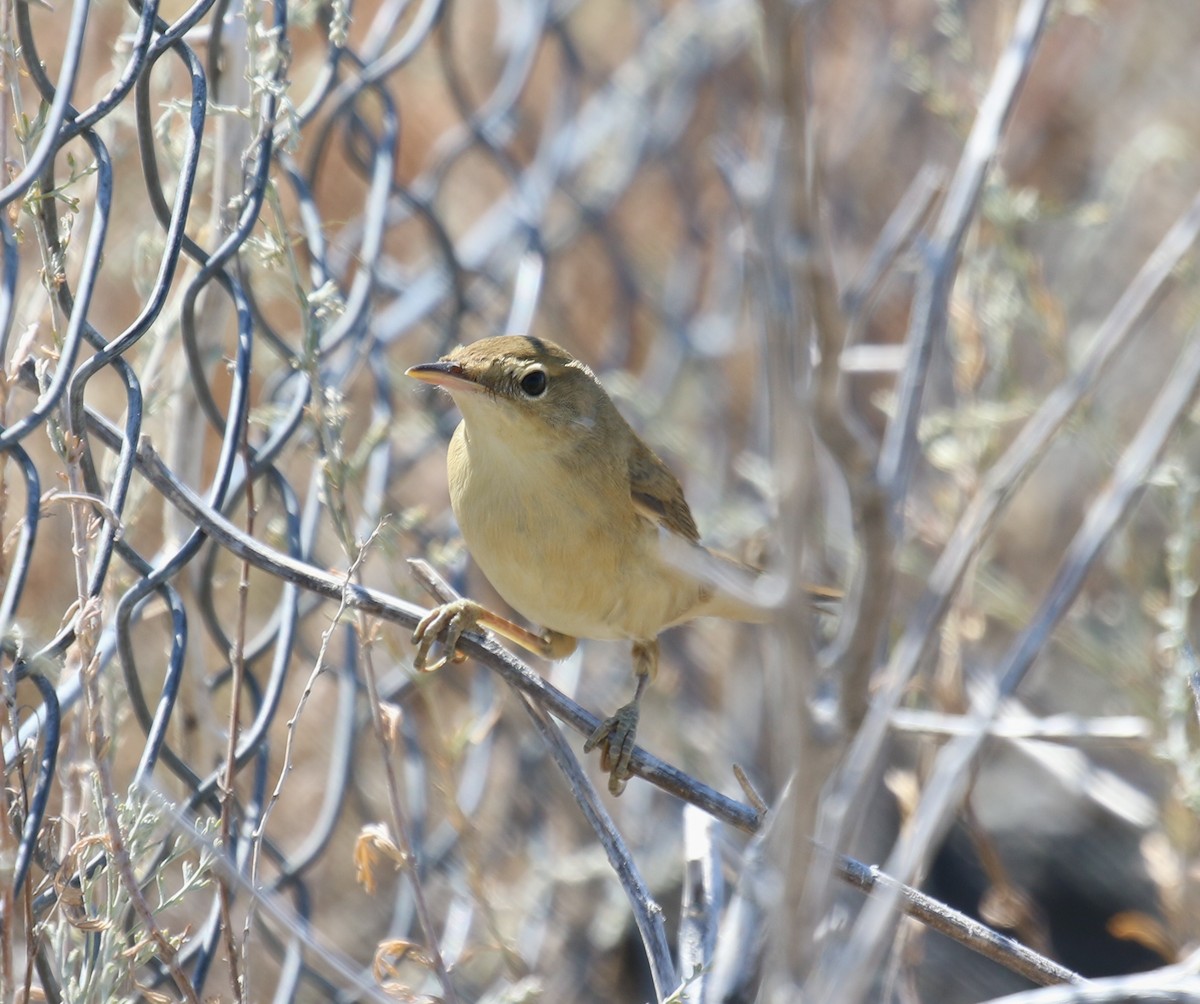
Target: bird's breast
x,y
562,544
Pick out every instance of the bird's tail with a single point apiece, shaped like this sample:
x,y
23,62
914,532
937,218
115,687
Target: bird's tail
x,y
743,593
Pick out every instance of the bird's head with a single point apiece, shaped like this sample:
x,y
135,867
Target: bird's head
x,y
523,388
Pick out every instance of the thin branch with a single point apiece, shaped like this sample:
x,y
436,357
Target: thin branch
x,y
1052,728
1144,988
737,961
967,931
851,656
896,235
646,912
927,326
402,828
702,896
228,786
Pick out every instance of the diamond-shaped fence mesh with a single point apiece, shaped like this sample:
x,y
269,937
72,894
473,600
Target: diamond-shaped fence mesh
x,y
857,271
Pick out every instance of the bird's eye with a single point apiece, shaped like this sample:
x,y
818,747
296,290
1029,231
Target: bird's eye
x,y
533,383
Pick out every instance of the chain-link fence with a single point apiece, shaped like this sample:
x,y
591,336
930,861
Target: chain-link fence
x,y
858,271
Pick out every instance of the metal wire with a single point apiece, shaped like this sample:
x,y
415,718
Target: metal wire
x,y
251,342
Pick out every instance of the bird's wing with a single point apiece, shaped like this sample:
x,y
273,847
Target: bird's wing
x,y
657,493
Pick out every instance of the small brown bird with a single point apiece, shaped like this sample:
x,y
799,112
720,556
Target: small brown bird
x,y
577,523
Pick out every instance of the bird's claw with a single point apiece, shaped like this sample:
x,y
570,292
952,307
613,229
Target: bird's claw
x,y
449,622
615,737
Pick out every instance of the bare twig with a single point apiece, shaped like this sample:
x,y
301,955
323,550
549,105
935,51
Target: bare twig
x,y
753,796
702,895
851,656
228,787
646,912
403,834
1053,728
897,233
1144,988
927,326
739,952
102,507
967,931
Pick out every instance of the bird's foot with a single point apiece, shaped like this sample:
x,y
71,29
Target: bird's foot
x,y
615,737
448,622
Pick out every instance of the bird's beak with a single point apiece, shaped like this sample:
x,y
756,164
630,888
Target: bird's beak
x,y
443,374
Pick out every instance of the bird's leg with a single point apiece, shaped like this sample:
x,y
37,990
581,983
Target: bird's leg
x,y
450,621
616,735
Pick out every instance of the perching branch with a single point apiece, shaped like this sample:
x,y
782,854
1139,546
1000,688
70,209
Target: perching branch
x,y
967,931
646,911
